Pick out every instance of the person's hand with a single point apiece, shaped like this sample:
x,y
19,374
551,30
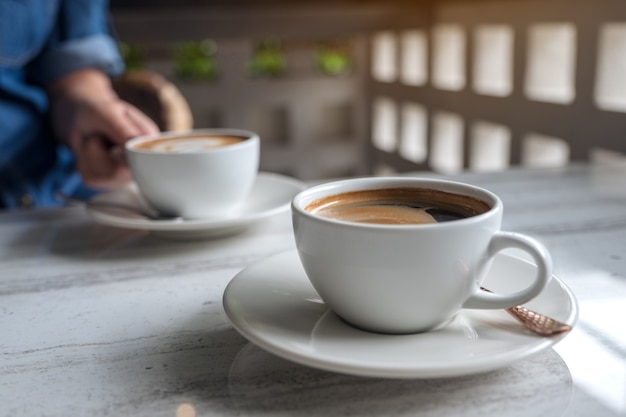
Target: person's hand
x,y
95,124
97,139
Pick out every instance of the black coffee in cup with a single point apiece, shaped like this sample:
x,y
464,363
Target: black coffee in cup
x,y
398,206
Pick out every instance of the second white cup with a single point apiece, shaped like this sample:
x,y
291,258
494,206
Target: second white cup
x,y
199,174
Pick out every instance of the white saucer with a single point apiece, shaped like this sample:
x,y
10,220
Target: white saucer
x,y
271,194
273,305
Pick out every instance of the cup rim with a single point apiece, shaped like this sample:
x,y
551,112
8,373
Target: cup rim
x,y
308,195
249,136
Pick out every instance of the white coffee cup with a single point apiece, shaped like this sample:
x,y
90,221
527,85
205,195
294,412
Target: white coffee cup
x,y
199,174
407,278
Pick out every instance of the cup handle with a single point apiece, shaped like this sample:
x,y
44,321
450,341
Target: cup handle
x,y
542,258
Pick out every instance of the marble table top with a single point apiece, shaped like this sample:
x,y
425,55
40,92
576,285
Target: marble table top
x,y
99,321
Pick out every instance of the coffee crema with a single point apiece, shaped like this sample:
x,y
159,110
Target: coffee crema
x,y
401,206
188,144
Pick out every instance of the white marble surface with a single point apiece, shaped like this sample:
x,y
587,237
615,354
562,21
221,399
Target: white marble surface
x,y
98,321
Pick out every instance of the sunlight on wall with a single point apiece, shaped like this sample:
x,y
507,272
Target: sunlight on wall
x,y
413,134
384,129
414,58
384,59
448,57
447,142
610,88
493,60
459,64
550,68
490,146
544,151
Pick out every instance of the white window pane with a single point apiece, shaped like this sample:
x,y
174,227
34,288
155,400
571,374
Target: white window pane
x,y
447,142
448,57
413,133
551,62
493,61
610,89
384,58
544,151
491,146
414,58
384,129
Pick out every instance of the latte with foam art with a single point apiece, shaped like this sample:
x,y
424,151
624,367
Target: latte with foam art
x,y
188,144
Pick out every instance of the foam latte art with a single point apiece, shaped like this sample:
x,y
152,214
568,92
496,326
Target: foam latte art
x,y
188,144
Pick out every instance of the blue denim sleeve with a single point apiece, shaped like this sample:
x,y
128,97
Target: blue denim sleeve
x,y
82,39
98,51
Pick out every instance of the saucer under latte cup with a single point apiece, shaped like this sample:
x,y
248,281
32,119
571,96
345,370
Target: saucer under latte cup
x,y
404,255
199,174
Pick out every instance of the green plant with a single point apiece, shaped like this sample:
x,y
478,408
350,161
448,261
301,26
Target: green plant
x,y
268,59
332,60
194,61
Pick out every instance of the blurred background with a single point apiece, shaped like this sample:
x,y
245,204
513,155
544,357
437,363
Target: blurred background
x,y
345,87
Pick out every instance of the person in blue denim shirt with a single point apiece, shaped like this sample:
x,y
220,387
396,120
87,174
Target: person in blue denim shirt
x,y
59,116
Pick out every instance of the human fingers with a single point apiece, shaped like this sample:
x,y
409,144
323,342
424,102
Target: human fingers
x,y
97,166
120,121
143,124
